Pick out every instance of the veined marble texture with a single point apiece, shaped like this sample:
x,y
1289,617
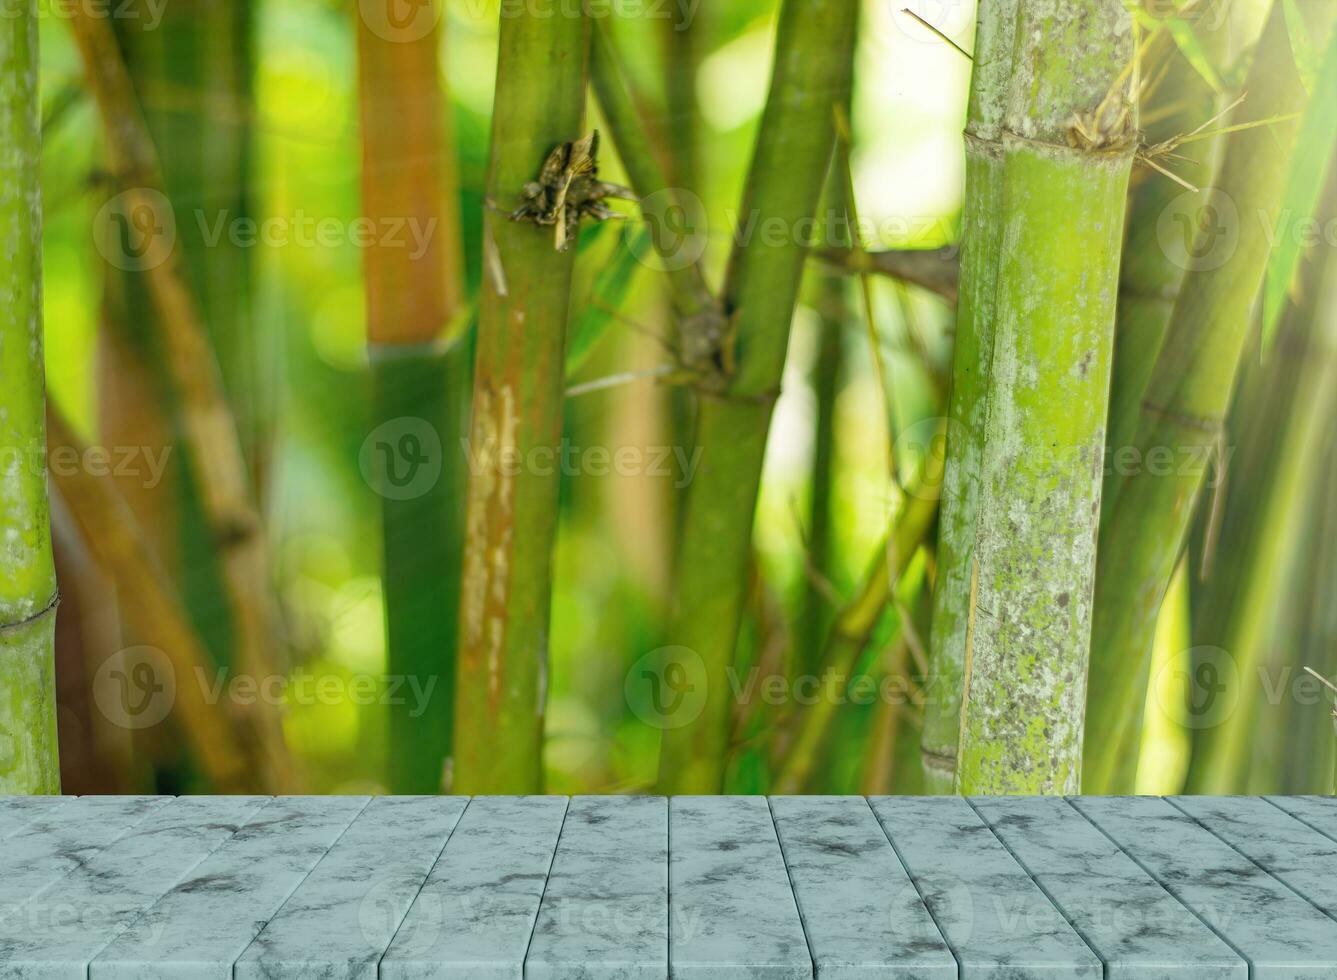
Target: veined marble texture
x,y
200,927
995,918
861,913
475,915
1283,936
339,921
734,913
605,914
56,936
16,812
1136,927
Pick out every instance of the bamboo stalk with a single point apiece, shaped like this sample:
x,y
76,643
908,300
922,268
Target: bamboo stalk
x,y
218,463
812,73
111,534
517,415
29,761
854,625
1248,619
1069,142
995,40
408,175
1188,395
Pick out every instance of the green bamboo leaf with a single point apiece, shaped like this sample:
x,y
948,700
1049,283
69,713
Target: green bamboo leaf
x,y
1309,167
1302,45
607,295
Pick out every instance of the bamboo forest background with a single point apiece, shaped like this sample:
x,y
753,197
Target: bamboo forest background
x,y
261,545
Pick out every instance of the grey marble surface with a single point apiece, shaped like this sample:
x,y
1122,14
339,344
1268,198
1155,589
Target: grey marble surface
x,y
56,936
995,918
860,911
631,888
1283,936
1288,850
16,812
604,914
734,914
47,849
474,916
339,921
200,927
1131,921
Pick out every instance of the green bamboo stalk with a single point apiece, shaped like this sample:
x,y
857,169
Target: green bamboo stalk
x,y
1188,395
813,55
29,760
982,235
1222,752
517,416
1069,141
853,626
408,174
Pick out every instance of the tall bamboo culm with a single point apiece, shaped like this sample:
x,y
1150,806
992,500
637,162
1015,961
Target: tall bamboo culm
x,y
813,56
28,756
517,416
1069,137
981,234
1189,392
419,375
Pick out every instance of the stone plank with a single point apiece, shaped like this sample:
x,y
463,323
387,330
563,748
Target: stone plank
x,y
202,926
995,918
475,914
1285,848
605,913
1283,936
341,919
16,812
1132,923
860,911
56,936
734,912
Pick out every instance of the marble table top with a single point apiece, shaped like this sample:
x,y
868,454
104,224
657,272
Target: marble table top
x,y
725,888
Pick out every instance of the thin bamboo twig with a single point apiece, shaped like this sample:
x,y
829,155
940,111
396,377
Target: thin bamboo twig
x,y
29,760
221,473
935,269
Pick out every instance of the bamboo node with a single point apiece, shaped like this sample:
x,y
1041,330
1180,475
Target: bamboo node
x,y
568,189
48,610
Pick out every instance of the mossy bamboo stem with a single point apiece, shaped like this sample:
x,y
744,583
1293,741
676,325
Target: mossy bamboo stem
x,y
1189,392
982,234
29,760
408,175
1069,142
517,415
813,56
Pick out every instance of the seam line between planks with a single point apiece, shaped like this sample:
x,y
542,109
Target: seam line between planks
x,y
1157,878
538,909
1257,864
793,893
1030,875
468,802
915,885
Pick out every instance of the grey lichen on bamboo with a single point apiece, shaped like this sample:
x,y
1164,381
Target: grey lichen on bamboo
x,y
1069,137
569,189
